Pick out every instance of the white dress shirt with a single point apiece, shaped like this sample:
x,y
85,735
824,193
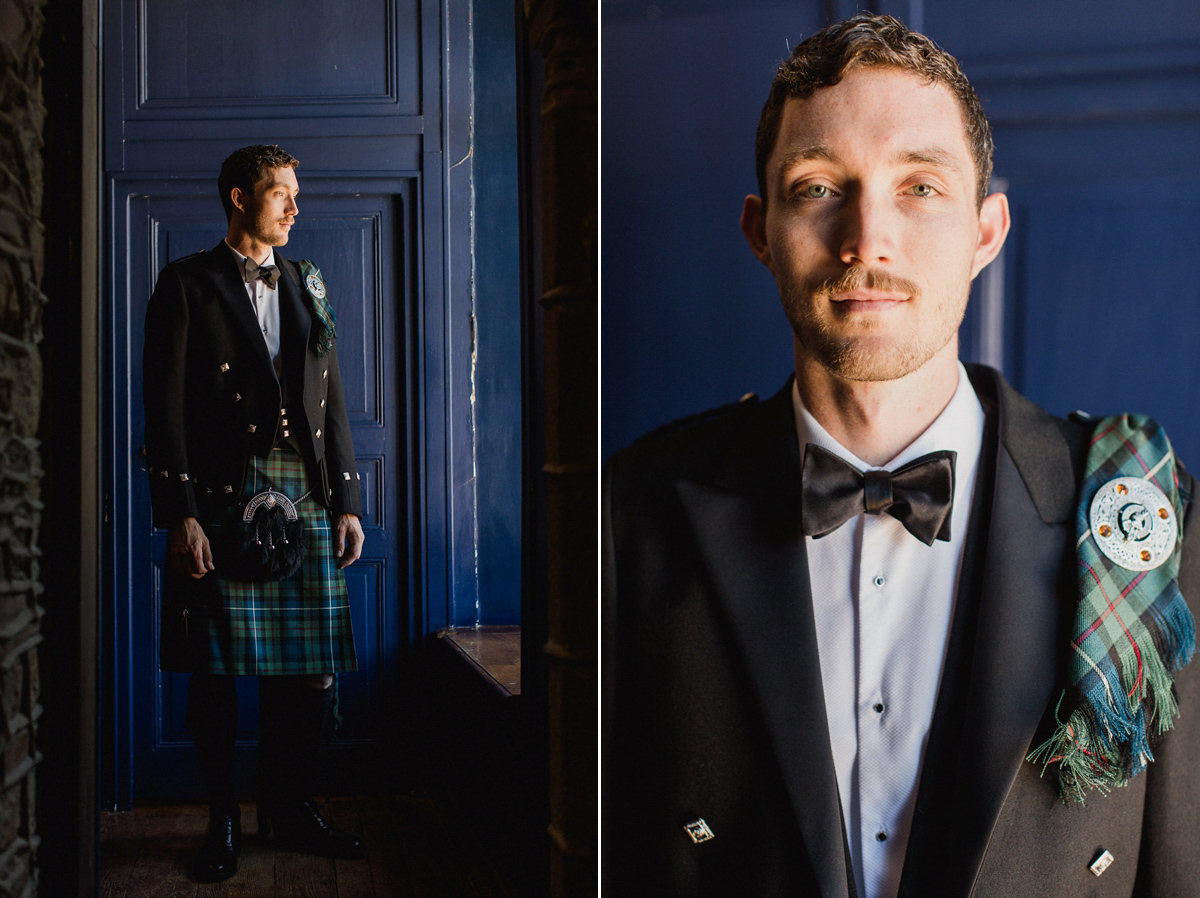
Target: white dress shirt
x,y
266,306
883,602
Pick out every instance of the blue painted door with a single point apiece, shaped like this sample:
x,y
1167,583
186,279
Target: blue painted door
x,y
355,91
353,240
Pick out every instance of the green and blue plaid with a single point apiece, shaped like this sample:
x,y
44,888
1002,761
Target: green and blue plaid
x,y
1132,632
318,301
300,625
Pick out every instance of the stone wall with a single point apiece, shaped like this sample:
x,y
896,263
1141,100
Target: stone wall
x,y
21,301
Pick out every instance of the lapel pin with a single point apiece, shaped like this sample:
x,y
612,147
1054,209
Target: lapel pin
x,y
698,830
1134,523
1102,863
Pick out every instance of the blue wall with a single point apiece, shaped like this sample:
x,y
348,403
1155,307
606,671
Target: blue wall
x,y
689,318
497,297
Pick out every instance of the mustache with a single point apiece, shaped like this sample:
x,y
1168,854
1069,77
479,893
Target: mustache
x,y
856,277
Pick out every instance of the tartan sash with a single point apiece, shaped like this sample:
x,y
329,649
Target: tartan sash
x,y
1132,628
318,301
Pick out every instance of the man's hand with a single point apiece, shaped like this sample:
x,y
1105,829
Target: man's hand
x,y
188,550
347,539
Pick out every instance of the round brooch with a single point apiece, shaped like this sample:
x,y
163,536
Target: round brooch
x,y
315,286
1133,523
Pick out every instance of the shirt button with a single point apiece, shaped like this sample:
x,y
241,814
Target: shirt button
x,y
879,581
878,707
881,836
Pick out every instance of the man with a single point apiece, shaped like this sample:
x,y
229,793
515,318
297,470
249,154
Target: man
x,y
243,398
824,679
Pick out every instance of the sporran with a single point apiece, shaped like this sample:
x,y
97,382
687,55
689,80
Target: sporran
x,y
267,542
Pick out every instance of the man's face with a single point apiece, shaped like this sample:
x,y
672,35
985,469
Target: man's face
x,y
268,215
871,226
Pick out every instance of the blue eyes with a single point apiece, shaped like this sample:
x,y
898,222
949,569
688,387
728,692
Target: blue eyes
x,y
815,191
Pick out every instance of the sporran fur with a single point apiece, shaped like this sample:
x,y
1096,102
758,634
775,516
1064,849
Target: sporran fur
x,y
268,542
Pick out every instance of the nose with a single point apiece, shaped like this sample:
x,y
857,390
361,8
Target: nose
x,y
291,207
867,232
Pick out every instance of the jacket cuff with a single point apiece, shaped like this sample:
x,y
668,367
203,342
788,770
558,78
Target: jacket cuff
x,y
172,498
345,493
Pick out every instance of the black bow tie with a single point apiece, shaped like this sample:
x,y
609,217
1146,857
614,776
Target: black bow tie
x,y
269,273
919,494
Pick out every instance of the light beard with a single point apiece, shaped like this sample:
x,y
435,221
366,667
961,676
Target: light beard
x,y
271,232
865,355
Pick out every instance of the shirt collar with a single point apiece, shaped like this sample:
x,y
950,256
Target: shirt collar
x,y
241,258
959,427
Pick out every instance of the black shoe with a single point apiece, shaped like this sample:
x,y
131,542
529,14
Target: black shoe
x,y
297,826
218,855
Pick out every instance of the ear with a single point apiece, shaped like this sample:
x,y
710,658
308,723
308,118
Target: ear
x,y
993,228
238,196
754,227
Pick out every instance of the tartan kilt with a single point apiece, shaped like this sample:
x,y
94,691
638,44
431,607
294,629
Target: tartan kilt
x,y
300,625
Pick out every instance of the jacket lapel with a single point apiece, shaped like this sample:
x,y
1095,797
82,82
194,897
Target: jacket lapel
x,y
1017,646
295,324
747,523
231,288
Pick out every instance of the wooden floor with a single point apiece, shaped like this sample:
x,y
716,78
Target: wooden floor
x,y
414,849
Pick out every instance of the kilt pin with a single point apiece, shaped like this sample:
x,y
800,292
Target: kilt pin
x,y
225,421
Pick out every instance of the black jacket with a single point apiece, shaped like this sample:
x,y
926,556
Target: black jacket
x,y
712,682
212,398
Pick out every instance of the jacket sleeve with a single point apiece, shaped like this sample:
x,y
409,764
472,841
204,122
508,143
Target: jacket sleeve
x,y
345,496
164,364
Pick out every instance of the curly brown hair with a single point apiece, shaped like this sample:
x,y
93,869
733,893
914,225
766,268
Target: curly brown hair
x,y
245,167
869,41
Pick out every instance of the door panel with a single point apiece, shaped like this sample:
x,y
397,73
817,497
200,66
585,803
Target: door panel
x,y
331,50
354,232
